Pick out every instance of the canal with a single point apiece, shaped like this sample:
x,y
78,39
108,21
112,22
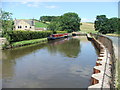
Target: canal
x,y
64,63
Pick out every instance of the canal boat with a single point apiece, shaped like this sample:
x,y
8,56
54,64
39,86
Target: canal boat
x,y
57,36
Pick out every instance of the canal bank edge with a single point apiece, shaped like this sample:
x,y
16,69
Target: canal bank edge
x,y
23,43
101,76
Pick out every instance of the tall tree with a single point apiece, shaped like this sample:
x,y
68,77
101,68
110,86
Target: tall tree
x,y
113,25
105,25
6,20
47,18
68,22
101,24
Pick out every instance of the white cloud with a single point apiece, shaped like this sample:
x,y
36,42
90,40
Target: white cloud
x,y
38,4
33,5
24,2
52,6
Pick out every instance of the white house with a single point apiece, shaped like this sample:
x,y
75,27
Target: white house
x,y
24,24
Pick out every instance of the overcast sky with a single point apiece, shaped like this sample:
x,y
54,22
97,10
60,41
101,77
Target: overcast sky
x,y
87,11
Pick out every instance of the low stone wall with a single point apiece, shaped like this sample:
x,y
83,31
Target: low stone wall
x,y
101,76
109,45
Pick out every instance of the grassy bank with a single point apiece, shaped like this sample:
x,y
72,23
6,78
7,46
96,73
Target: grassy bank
x,y
24,43
117,35
87,27
40,25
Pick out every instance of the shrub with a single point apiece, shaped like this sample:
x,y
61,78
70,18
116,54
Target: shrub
x,y
15,36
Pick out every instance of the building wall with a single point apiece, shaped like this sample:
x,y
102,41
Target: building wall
x,y
22,25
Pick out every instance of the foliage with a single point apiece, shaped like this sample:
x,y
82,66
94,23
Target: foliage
x,y
47,18
19,35
68,22
101,24
6,20
15,36
113,25
54,25
105,25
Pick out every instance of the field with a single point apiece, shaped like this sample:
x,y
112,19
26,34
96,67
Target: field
x,y
40,25
87,27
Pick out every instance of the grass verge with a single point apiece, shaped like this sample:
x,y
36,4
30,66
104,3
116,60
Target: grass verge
x,y
24,43
28,42
110,34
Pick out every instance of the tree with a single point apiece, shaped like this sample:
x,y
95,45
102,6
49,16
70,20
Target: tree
x,y
101,24
68,22
47,18
54,25
105,25
113,25
118,31
7,21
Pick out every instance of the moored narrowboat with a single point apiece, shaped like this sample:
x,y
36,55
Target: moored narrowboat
x,y
57,36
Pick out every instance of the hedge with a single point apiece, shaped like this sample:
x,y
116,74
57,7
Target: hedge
x,y
19,35
15,36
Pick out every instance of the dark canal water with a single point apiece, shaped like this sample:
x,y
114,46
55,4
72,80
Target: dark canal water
x,y
65,63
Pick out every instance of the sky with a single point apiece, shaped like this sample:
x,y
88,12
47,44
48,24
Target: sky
x,y
87,11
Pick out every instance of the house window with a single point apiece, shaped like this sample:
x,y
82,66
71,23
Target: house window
x,y
25,26
19,26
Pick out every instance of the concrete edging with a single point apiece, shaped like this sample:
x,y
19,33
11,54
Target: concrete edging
x,y
101,72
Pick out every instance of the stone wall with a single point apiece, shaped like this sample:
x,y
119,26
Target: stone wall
x,y
109,45
101,72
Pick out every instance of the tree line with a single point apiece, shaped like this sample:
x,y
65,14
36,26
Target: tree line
x,y
67,22
105,25
47,18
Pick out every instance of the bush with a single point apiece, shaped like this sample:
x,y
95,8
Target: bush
x,y
15,36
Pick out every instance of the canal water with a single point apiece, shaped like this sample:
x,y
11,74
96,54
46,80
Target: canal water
x,y
64,63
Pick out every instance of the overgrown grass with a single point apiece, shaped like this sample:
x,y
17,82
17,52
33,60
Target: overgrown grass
x,y
88,28
40,25
28,42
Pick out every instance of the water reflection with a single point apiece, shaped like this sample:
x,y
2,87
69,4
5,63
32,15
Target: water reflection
x,y
68,47
64,63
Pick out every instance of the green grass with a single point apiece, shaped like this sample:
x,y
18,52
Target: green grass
x,y
87,27
28,42
113,34
40,25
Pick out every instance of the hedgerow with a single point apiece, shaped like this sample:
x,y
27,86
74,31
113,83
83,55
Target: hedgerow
x,y
15,36
20,35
